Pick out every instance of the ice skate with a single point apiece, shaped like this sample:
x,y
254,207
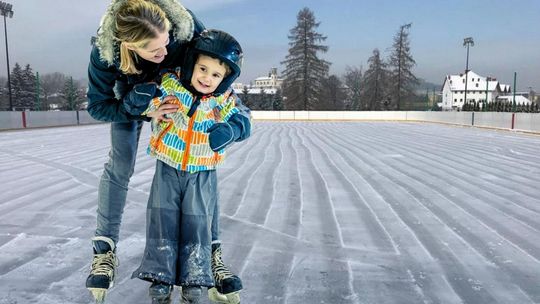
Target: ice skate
x,y
160,293
227,285
103,269
191,295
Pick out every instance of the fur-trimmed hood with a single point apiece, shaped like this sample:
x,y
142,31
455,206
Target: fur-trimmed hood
x,y
181,22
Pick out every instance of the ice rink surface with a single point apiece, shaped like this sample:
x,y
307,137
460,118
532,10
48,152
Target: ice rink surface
x,y
312,212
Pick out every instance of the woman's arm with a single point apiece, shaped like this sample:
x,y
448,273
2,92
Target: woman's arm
x,y
102,103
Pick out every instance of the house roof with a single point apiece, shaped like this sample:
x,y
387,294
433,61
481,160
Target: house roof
x,y
457,83
519,99
258,91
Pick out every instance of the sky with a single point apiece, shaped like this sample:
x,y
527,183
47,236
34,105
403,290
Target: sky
x,y
54,35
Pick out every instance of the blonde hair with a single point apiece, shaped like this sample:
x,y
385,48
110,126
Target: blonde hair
x,y
137,23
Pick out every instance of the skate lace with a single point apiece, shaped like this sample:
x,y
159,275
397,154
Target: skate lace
x,y
104,264
221,272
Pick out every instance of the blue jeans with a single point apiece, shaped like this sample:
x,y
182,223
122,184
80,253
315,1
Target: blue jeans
x,y
113,186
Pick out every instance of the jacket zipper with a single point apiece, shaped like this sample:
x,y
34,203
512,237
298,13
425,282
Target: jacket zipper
x,y
188,138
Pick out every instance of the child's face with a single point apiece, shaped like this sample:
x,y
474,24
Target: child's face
x,y
208,73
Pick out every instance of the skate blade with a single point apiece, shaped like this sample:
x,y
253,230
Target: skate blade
x,y
215,296
98,294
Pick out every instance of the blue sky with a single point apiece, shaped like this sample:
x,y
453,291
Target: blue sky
x,y
53,35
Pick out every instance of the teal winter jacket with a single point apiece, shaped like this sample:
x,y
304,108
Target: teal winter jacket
x,y
107,85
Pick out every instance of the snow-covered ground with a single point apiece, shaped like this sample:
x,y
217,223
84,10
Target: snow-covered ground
x,y
312,212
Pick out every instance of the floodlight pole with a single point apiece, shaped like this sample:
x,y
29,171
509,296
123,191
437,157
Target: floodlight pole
x,y
466,42
7,11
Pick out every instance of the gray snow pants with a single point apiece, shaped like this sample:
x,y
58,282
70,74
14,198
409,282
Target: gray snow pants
x,y
178,227
113,185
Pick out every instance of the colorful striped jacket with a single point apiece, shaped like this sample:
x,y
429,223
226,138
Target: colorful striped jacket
x,y
183,143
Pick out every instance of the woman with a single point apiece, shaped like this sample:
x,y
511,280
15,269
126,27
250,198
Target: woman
x,y
135,41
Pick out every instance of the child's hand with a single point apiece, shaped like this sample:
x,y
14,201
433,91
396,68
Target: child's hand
x,y
164,109
221,135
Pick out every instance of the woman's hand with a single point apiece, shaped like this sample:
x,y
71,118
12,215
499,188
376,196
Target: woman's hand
x,y
166,108
137,100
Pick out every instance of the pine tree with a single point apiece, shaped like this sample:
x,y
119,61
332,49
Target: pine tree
x,y
277,101
71,95
401,63
264,104
246,100
17,83
4,94
304,71
28,94
375,79
353,80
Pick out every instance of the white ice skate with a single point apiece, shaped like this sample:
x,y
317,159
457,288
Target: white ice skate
x,y
103,269
227,285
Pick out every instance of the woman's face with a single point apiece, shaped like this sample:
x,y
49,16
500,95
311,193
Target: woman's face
x,y
208,73
156,50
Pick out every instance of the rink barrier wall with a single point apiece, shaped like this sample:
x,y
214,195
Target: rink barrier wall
x,y
527,122
39,119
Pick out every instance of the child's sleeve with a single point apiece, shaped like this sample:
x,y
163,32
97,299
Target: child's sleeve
x,y
166,88
235,113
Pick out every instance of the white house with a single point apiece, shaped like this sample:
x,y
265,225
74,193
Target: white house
x,y
272,81
261,85
240,88
478,89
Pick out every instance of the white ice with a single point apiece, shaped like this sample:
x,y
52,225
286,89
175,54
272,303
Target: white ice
x,y
312,212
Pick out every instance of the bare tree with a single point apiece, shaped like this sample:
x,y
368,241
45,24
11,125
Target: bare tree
x,y
52,83
52,87
333,94
353,80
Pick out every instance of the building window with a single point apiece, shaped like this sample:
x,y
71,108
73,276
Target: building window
x,y
477,85
455,100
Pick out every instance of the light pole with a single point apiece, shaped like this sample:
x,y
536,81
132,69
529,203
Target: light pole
x,y
7,11
467,42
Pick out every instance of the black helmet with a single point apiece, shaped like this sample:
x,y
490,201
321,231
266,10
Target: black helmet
x,y
219,45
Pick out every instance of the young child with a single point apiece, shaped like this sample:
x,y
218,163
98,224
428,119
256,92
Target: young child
x,y
188,146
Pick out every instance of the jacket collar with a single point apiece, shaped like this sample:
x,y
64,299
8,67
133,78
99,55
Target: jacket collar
x,y
181,22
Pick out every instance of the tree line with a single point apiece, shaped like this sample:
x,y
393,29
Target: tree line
x,y
500,106
387,84
33,91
